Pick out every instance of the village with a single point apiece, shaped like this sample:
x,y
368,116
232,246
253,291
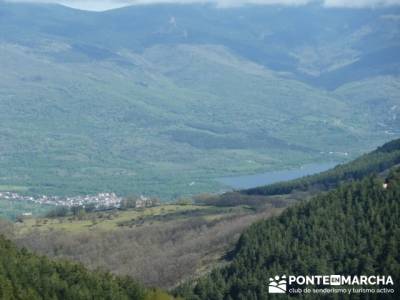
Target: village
x,y
99,201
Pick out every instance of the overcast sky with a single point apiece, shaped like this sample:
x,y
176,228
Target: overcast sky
x,y
110,4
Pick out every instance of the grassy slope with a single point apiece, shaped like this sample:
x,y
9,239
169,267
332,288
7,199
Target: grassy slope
x,y
104,220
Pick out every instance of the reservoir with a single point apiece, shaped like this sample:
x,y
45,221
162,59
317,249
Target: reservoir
x,y
255,180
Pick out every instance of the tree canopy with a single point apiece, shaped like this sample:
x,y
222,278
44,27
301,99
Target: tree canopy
x,y
352,230
27,276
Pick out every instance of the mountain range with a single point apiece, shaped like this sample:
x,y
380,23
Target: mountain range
x,y
164,99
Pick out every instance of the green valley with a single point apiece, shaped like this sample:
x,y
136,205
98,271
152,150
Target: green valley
x,y
85,108
199,150
176,243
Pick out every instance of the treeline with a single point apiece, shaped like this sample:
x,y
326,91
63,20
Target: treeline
x,y
237,199
352,230
78,211
26,276
377,161
157,250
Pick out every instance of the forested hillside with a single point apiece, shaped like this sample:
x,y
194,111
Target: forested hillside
x,y
354,229
118,100
26,276
377,161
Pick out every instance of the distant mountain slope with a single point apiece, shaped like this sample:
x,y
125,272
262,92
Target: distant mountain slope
x,y
377,161
163,99
353,230
96,126
307,40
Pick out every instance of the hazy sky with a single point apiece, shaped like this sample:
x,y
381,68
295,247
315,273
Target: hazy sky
x,y
109,4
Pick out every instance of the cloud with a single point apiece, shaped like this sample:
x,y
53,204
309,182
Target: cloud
x,y
95,5
109,4
99,5
360,3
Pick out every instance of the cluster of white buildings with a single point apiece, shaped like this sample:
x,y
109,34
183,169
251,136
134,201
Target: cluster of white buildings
x,y
106,200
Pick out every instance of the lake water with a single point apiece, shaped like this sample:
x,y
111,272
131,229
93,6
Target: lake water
x,y
250,181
